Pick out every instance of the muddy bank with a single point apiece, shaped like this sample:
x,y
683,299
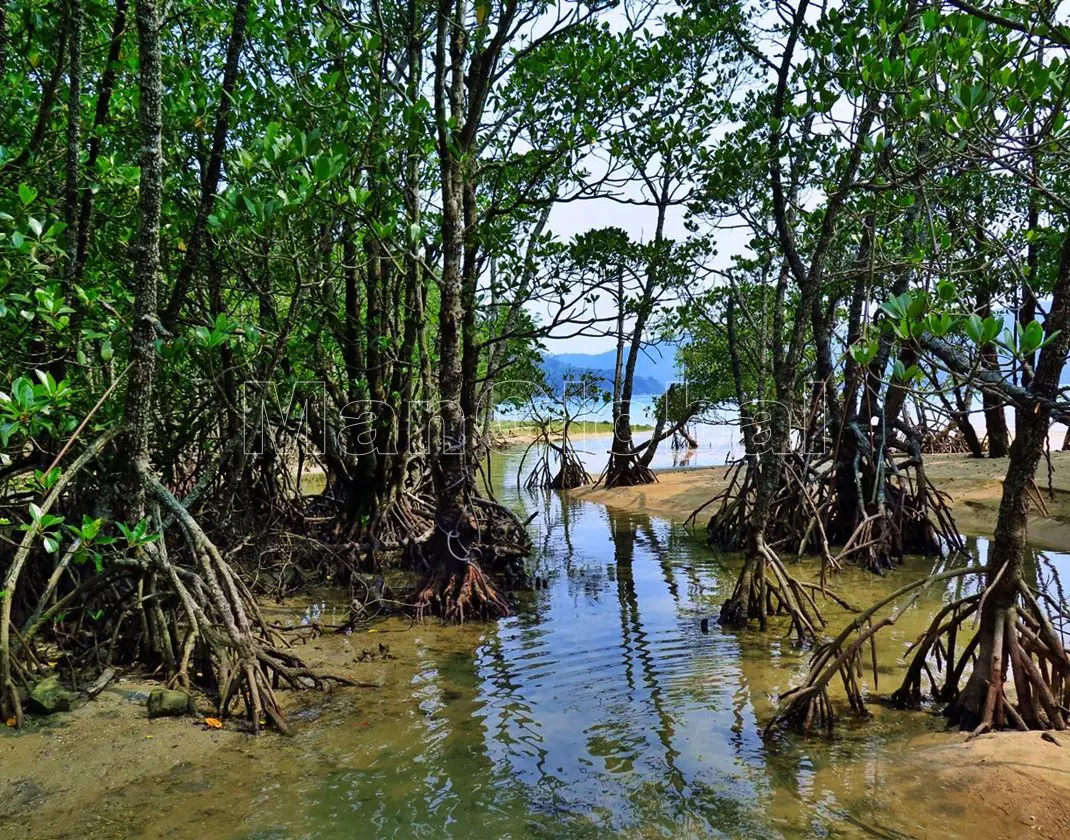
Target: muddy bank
x,y
504,434
1012,784
472,709
105,770
61,769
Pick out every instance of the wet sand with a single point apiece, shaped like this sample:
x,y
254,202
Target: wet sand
x,y
974,486
105,770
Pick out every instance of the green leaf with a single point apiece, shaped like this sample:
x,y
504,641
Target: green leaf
x,y
863,352
1031,337
939,325
897,306
992,327
946,290
27,194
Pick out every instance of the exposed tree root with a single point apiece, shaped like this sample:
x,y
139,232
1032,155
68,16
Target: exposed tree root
x,y
407,515
1026,654
890,510
195,621
328,539
809,705
765,587
463,592
726,526
626,470
487,535
905,515
224,620
796,509
948,440
12,672
570,471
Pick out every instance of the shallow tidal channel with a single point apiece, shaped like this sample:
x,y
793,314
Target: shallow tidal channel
x,y
598,708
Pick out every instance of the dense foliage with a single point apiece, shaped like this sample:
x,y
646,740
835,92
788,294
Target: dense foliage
x,y
241,243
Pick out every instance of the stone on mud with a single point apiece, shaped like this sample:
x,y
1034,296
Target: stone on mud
x,y
48,696
165,702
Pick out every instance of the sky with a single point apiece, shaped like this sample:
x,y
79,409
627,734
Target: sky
x,y
572,218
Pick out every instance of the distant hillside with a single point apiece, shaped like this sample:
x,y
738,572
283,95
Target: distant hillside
x,y
654,369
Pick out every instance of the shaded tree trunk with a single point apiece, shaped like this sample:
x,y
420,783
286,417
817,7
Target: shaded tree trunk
x,y
213,166
48,98
624,469
74,140
138,409
982,701
104,94
3,36
995,417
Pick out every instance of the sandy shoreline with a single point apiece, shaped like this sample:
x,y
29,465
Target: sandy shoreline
x,y
974,486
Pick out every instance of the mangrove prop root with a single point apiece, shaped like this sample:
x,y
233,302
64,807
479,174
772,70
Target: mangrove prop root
x,y
224,620
190,617
570,471
1024,652
455,554
809,706
460,594
765,587
896,512
626,471
10,705
948,440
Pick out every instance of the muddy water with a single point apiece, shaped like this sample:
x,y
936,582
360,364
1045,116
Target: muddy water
x,y
599,708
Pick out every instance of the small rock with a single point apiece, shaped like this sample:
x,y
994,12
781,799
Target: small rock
x,y
1051,739
49,696
165,702
308,714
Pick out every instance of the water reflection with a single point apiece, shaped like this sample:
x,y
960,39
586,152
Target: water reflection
x,y
598,697
600,708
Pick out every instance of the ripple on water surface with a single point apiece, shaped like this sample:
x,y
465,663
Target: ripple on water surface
x,y
598,708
